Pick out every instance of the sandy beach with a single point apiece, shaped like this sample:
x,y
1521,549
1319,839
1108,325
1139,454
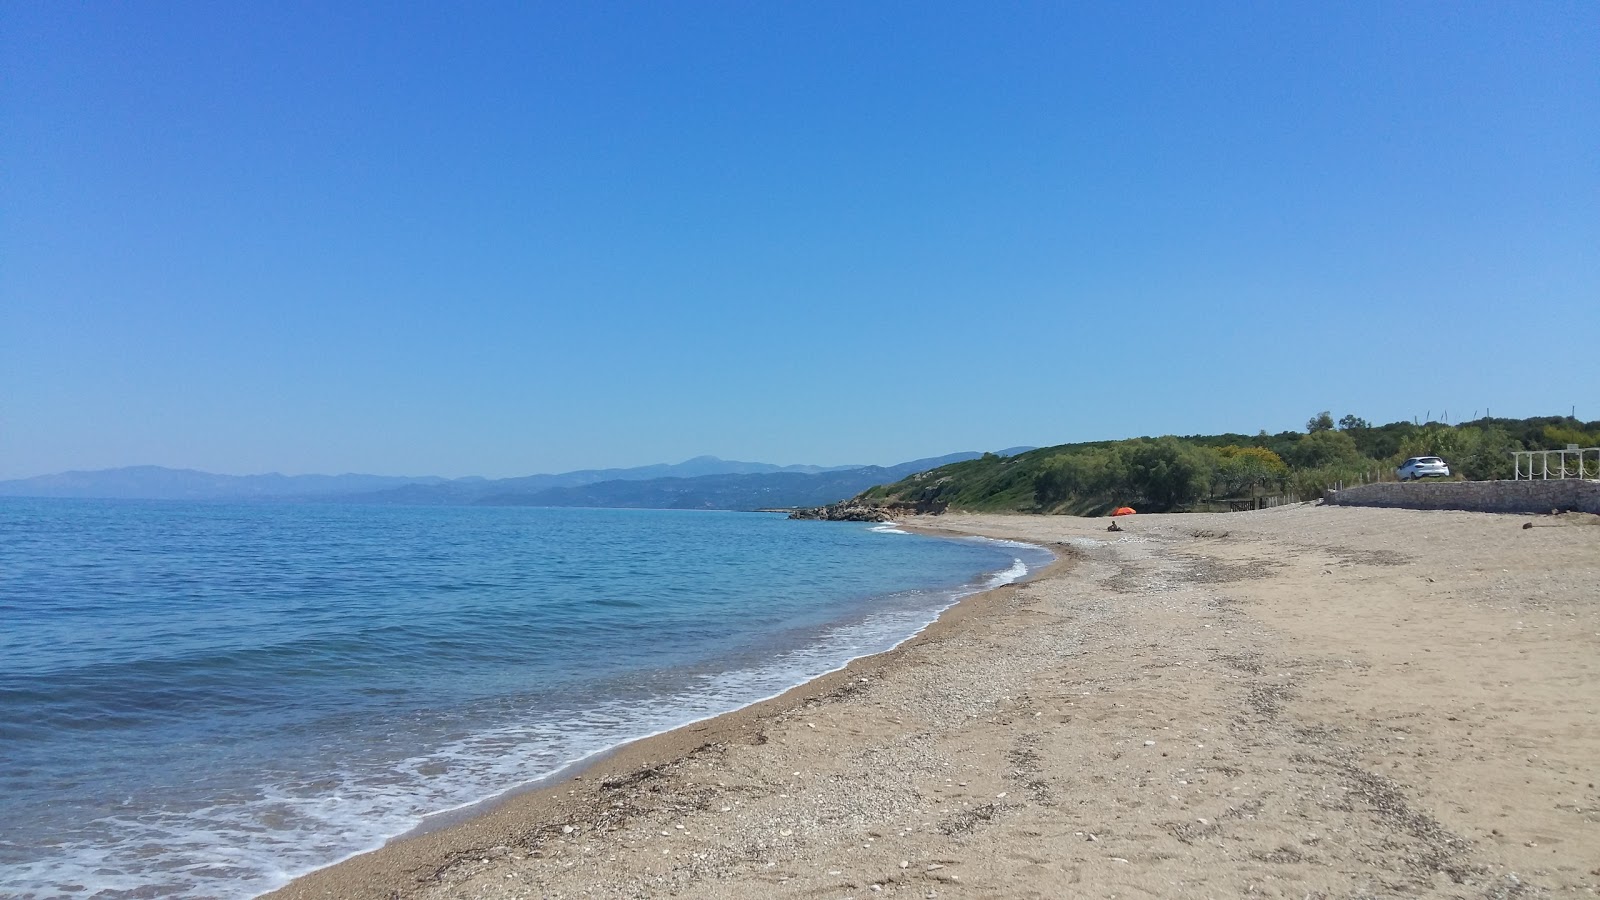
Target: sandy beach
x,y
1306,702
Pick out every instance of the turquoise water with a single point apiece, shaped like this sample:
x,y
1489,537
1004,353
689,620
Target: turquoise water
x,y
205,700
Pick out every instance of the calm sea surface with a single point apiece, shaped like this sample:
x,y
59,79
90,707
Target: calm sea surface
x,y
205,700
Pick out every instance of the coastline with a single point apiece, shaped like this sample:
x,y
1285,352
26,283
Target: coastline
x,y
1281,663
575,769
561,796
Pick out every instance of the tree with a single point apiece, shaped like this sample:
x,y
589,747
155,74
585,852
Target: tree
x,y
1244,470
1056,480
1322,421
1321,448
1354,423
1557,438
1085,475
1165,473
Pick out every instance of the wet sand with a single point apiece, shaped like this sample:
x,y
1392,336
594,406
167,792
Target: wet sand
x,y
1300,702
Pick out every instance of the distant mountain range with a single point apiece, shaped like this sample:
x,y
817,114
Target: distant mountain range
x,y
159,483
704,482
766,490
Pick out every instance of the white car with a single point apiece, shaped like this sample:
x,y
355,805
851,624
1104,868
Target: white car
x,y
1422,467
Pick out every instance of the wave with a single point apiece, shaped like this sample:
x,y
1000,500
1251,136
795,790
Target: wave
x,y
342,796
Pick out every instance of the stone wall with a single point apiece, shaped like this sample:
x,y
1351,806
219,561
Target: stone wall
x,y
1478,496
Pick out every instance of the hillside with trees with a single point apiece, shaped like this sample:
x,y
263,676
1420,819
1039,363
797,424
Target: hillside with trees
x,y
1207,471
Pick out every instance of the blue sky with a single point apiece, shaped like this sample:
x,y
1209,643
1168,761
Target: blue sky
x,y
504,239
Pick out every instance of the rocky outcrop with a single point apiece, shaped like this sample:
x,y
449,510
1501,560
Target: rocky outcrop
x,y
857,511
843,512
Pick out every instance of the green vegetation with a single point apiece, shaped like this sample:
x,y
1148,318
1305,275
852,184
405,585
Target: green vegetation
x,y
1201,471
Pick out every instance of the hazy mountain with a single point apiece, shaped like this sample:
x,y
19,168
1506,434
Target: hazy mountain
x,y
158,483
726,491
458,491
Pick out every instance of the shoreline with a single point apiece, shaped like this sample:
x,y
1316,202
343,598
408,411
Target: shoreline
x,y
542,797
574,769
1318,701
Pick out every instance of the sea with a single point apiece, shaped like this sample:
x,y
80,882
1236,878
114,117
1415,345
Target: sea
x,y
209,699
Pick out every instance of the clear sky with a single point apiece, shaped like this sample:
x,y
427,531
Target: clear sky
x,y
501,239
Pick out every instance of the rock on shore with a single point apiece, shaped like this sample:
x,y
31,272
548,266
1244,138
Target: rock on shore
x,y
857,511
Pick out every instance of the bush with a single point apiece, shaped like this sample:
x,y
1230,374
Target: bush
x,y
1557,437
1156,475
1165,473
1246,470
1323,448
1479,454
1076,476
1310,484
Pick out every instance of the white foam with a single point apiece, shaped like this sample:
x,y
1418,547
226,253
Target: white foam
x,y
1007,542
227,851
1017,570
888,528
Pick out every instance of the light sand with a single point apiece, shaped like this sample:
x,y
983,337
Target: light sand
x,y
1302,702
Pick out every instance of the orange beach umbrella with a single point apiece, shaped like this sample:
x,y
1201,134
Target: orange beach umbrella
x,y
1123,511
